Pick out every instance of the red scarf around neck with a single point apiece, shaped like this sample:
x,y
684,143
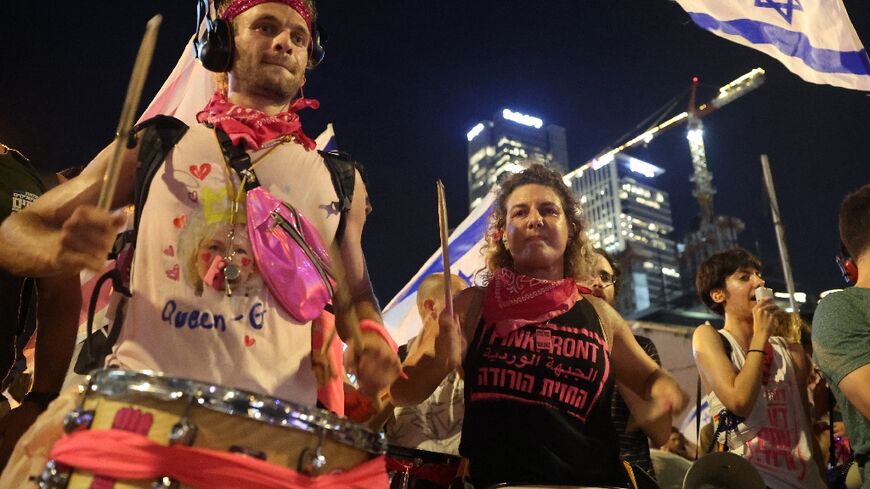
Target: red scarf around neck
x,y
512,301
255,127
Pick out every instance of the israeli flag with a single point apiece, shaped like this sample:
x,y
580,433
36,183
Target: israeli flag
x,y
464,247
813,38
688,425
326,140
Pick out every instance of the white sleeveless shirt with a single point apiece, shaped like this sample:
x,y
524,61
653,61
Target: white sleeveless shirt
x,y
179,324
775,438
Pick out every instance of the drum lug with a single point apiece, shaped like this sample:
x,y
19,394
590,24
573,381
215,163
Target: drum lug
x,y
182,433
165,483
52,477
77,419
311,460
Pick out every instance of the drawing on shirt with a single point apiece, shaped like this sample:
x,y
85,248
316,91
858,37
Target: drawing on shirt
x,y
772,448
204,246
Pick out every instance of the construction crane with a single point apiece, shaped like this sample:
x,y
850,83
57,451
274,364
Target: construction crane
x,y
713,233
701,176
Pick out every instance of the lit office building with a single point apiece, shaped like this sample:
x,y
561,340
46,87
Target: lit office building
x,y
631,220
509,143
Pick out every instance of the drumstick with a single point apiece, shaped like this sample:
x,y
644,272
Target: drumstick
x,y
131,103
445,252
324,349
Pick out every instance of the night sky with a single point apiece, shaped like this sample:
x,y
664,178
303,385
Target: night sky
x,y
404,81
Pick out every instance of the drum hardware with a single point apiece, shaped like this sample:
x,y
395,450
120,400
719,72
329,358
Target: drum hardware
x,y
165,483
52,477
408,466
321,441
184,432
77,419
406,474
312,460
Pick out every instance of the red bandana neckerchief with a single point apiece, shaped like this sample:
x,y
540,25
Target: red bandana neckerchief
x,y
512,301
254,127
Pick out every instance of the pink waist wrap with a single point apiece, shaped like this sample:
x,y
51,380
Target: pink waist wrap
x,y
124,455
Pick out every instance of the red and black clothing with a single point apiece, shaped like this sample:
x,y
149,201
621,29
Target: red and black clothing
x,y
538,403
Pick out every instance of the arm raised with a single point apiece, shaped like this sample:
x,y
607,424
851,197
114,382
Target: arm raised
x,y
63,231
438,350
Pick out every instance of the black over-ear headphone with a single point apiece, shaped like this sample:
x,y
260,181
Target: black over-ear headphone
x,y
847,265
214,48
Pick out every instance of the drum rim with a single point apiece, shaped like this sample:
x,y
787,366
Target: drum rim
x,y
115,384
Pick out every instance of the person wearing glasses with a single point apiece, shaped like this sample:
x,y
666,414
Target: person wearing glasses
x,y
633,418
603,281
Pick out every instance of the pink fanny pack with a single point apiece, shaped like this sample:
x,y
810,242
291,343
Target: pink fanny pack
x,y
290,255
288,249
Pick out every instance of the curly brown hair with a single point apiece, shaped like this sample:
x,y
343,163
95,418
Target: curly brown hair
x,y
579,257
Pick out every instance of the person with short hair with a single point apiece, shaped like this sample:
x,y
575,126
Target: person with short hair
x,y
761,383
841,330
539,357
436,423
629,410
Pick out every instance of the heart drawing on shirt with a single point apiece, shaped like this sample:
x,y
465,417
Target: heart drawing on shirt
x,y
193,195
249,341
173,272
200,171
179,221
169,251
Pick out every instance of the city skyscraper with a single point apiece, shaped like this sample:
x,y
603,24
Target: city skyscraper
x,y
507,143
631,220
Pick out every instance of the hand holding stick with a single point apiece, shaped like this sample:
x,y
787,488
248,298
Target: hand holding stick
x,y
131,103
445,252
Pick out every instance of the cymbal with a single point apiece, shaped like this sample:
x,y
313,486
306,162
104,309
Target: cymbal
x,y
722,470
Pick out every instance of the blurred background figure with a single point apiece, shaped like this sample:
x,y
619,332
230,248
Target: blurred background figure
x,y
841,328
436,423
631,415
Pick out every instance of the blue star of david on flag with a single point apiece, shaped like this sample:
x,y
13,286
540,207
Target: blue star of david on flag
x,y
785,8
817,41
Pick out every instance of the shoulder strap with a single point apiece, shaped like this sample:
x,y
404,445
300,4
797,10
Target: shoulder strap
x,y
342,168
726,345
474,314
158,136
238,159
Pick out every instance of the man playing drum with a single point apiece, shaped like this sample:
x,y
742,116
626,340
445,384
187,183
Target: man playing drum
x,y
200,308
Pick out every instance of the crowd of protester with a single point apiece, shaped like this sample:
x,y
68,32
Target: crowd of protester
x,y
526,376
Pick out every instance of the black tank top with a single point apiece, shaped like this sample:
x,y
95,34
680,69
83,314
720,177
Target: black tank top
x,y
537,404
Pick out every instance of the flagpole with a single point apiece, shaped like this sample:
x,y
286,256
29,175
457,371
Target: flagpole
x,y
780,230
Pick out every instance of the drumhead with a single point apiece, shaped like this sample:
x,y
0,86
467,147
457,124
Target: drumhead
x,y
125,384
723,470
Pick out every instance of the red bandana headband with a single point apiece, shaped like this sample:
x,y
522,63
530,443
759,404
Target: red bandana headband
x,y
239,6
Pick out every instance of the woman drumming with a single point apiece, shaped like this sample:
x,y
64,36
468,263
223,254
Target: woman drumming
x,y
538,357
